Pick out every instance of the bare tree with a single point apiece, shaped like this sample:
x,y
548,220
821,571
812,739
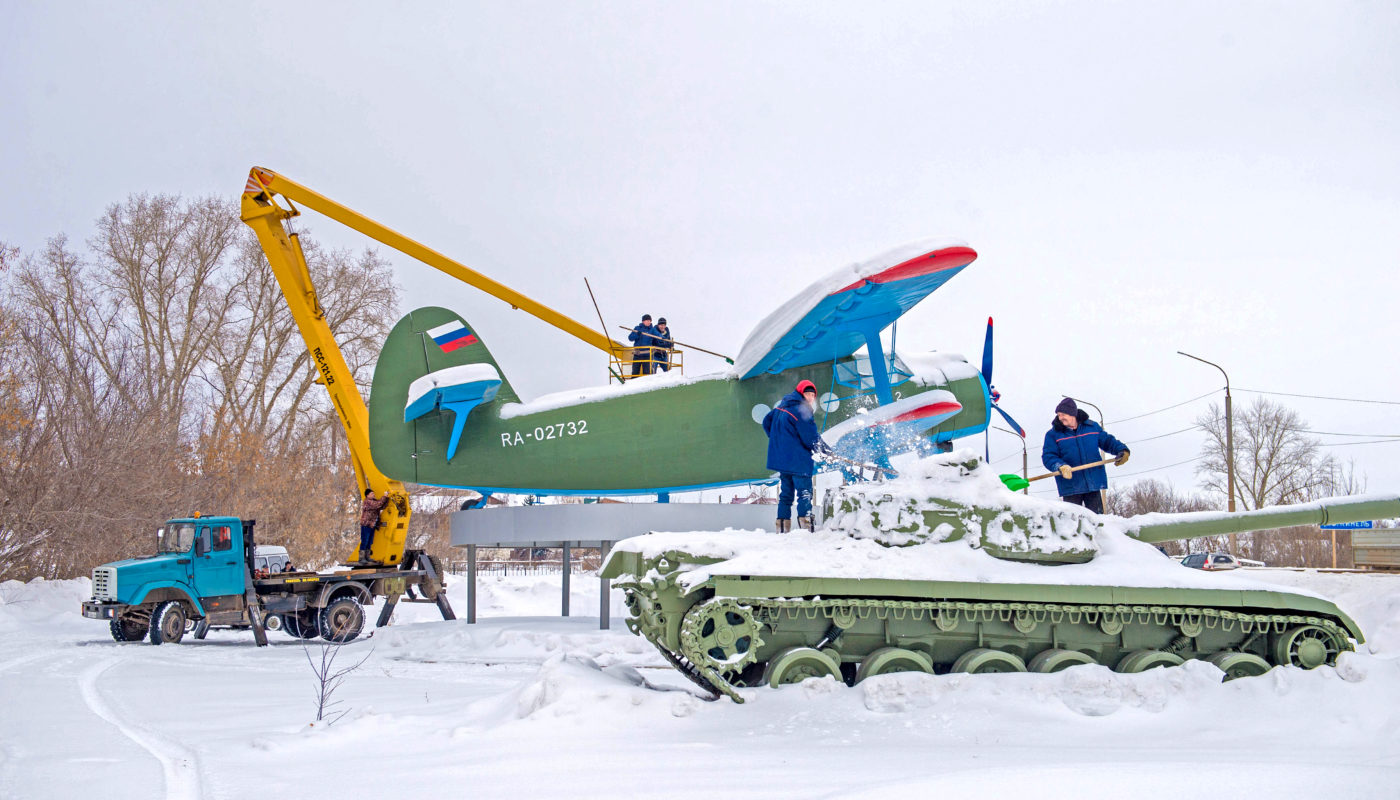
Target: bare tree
x,y
160,373
329,679
1276,463
1147,496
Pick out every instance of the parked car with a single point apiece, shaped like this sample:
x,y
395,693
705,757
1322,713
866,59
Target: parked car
x,y
270,558
1218,561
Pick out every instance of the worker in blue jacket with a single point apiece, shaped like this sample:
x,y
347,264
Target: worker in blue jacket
x,y
1074,440
644,337
792,439
661,358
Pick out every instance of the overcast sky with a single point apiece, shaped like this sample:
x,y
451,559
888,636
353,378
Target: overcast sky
x,y
1219,178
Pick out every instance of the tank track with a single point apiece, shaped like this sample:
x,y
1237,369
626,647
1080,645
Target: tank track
x,y
1054,613
943,617
696,676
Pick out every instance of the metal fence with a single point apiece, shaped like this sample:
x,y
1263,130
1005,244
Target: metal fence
x,y
583,566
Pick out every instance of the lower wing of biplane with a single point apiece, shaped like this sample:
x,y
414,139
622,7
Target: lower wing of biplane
x,y
442,412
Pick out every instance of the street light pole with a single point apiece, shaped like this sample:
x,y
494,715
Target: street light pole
x,y
1229,439
1025,458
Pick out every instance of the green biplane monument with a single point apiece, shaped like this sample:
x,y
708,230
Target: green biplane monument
x,y
443,413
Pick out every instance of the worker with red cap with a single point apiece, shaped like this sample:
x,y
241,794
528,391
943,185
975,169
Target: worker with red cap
x,y
792,439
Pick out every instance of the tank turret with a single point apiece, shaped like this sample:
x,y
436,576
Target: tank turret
x,y
946,570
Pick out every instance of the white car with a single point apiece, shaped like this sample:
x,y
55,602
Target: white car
x,y
270,558
1218,561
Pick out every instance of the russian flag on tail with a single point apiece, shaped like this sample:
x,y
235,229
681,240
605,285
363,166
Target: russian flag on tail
x,y
452,336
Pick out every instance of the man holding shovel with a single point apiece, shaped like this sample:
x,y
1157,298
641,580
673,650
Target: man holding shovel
x,y
1072,448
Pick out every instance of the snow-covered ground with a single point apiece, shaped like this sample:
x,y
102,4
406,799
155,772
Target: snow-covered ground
x,y
525,704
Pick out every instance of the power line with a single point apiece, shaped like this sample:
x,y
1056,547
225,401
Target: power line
x,y
1165,435
1168,408
1351,444
1128,441
1324,397
1116,476
1357,435
1157,469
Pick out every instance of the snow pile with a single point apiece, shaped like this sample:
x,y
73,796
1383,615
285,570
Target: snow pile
x,y
1372,599
41,604
953,496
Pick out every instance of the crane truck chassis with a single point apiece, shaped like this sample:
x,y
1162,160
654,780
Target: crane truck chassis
x,y
202,576
198,579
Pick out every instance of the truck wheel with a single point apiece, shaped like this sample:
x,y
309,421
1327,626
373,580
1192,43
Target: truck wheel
x,y
342,619
129,630
168,622
301,625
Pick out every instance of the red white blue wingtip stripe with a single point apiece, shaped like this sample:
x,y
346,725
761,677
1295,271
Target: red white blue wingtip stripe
x,y
451,336
941,408
926,264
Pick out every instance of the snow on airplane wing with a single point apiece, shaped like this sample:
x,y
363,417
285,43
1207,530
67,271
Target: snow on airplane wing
x,y
906,419
830,318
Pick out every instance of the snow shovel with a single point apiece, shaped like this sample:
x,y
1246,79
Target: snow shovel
x,y
1074,469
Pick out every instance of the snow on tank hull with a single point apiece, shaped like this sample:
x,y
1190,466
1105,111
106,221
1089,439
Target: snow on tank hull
x,y
744,609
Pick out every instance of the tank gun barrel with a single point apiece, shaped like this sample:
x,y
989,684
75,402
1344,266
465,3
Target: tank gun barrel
x,y
1158,527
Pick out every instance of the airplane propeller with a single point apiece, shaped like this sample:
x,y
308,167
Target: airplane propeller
x,y
995,395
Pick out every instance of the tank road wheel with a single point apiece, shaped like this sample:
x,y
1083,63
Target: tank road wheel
x,y
168,622
1054,660
893,659
1239,665
1143,660
302,624
1307,646
982,660
342,619
797,664
128,629
721,634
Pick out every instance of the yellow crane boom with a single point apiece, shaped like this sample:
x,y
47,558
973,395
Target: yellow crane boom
x,y
261,212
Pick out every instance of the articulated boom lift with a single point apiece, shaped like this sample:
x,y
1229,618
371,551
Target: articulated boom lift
x,y
269,220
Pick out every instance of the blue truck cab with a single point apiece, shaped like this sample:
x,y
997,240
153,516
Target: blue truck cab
x,y
206,573
200,572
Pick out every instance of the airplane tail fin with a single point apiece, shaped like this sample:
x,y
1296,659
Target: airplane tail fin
x,y
433,370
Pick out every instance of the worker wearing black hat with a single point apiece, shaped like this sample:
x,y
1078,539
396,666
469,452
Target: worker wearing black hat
x,y
644,337
662,337
1072,441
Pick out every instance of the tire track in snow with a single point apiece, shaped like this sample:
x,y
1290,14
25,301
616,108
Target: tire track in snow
x,y
6,666
179,764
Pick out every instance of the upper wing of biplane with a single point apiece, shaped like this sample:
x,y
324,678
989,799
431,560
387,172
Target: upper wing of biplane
x,y
838,314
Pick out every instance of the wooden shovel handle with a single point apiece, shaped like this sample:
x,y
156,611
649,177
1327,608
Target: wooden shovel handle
x,y
1074,469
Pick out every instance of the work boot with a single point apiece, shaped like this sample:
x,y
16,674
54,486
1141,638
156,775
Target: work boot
x,y
784,526
805,523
